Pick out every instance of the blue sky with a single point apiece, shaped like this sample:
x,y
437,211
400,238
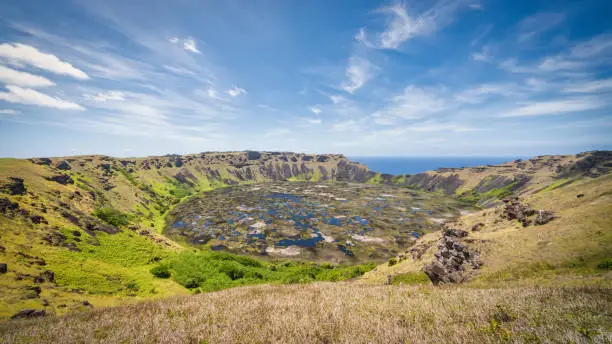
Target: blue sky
x,y
410,78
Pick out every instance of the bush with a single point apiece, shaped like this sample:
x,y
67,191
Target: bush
x,y
112,216
161,271
392,261
605,265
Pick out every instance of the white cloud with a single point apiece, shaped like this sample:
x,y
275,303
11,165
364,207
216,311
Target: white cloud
x,y
555,107
596,46
337,99
482,92
483,55
8,112
359,71
236,91
29,96
590,87
315,110
29,55
534,25
106,96
315,121
14,77
187,43
413,103
402,26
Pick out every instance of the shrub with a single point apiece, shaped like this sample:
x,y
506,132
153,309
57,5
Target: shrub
x,y
392,261
112,216
161,271
605,265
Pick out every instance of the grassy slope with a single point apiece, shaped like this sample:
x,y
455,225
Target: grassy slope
x,y
566,251
340,313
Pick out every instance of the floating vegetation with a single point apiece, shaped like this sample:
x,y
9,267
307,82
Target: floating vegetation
x,y
332,222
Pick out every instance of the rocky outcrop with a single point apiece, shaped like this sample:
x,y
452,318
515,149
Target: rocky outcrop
x,y
62,179
29,313
514,209
14,186
350,172
454,261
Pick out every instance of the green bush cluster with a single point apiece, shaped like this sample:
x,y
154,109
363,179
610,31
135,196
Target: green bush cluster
x,y
392,261
112,216
211,271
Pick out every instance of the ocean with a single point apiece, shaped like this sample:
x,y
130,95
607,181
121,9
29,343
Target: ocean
x,y
414,165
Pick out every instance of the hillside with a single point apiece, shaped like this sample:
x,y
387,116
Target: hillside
x,y
87,228
94,231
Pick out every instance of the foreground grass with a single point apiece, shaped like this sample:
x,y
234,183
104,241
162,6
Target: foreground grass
x,y
339,313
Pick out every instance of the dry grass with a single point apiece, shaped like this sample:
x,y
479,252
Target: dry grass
x,y
339,313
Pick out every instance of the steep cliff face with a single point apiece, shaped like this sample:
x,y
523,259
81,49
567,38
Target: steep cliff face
x,y
487,185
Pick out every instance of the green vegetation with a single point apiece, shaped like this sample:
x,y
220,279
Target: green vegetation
x,y
377,179
410,278
112,216
473,197
392,261
211,271
559,183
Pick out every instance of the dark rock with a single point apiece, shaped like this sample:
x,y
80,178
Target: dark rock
x,y
14,186
3,268
48,276
322,158
37,219
544,217
41,161
477,227
580,195
62,179
29,313
455,233
63,165
252,155
45,302
86,303
6,206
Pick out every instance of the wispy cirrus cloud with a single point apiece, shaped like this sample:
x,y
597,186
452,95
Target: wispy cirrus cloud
x,y
403,26
188,43
537,24
358,73
413,103
555,107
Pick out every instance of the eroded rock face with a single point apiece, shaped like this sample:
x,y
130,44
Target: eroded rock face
x,y
454,261
434,182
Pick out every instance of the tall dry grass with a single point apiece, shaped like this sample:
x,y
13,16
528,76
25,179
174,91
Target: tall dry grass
x,y
340,313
